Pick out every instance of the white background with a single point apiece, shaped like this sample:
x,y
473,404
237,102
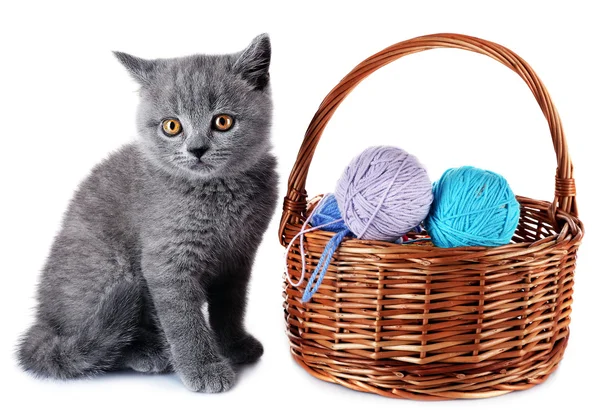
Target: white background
x,y
65,103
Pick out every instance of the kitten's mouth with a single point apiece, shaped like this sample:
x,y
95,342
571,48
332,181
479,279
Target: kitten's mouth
x,y
200,165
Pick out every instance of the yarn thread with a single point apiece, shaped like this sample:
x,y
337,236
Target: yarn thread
x,y
383,193
328,222
326,216
472,207
323,265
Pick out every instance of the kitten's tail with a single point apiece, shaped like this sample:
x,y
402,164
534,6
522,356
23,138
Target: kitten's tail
x,y
94,348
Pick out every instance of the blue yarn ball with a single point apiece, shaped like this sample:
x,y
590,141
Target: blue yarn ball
x,y
472,207
328,212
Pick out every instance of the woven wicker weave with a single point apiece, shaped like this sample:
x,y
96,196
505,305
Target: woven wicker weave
x,y
421,322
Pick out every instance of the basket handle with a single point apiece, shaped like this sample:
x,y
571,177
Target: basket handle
x,y
294,204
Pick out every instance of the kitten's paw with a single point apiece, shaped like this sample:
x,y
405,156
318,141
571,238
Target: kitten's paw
x,y
245,351
146,362
211,378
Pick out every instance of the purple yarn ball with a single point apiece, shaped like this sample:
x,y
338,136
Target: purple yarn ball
x,y
383,193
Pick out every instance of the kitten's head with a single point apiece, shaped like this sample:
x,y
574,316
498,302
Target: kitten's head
x,y
205,116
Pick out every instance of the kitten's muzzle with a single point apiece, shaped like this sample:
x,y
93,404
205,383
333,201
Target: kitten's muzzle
x,y
198,152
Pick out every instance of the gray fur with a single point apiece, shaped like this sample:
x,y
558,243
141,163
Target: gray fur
x,y
154,233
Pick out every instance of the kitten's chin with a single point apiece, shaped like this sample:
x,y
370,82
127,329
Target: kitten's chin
x,y
198,170
220,169
201,168
204,170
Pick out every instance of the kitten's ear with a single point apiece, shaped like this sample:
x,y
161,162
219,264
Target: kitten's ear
x,y
141,70
253,62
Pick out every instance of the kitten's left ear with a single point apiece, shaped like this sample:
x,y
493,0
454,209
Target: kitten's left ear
x,y
253,62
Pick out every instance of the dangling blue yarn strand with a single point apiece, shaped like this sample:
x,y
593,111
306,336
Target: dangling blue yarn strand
x,y
323,265
330,222
325,216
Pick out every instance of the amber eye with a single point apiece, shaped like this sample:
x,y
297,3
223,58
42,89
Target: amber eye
x,y
222,122
171,127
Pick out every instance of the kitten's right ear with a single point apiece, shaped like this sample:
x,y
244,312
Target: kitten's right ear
x,y
141,70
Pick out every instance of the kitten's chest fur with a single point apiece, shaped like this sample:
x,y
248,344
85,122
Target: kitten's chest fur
x,y
199,222
214,205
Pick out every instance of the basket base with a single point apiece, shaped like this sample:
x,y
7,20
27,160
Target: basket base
x,y
430,383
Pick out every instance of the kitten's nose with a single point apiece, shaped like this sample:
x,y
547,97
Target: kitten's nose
x,y
198,152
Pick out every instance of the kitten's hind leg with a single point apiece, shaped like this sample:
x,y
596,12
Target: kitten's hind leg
x,y
149,353
94,347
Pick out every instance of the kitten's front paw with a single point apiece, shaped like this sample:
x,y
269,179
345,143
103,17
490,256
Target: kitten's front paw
x,y
245,351
211,378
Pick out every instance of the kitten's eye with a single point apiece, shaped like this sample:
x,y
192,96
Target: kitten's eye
x,y
171,127
222,122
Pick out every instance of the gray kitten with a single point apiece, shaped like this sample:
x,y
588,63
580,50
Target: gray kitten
x,y
162,227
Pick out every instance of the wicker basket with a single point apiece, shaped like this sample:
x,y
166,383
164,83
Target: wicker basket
x,y
427,323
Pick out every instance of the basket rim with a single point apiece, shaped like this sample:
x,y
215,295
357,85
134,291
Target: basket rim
x,y
572,230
